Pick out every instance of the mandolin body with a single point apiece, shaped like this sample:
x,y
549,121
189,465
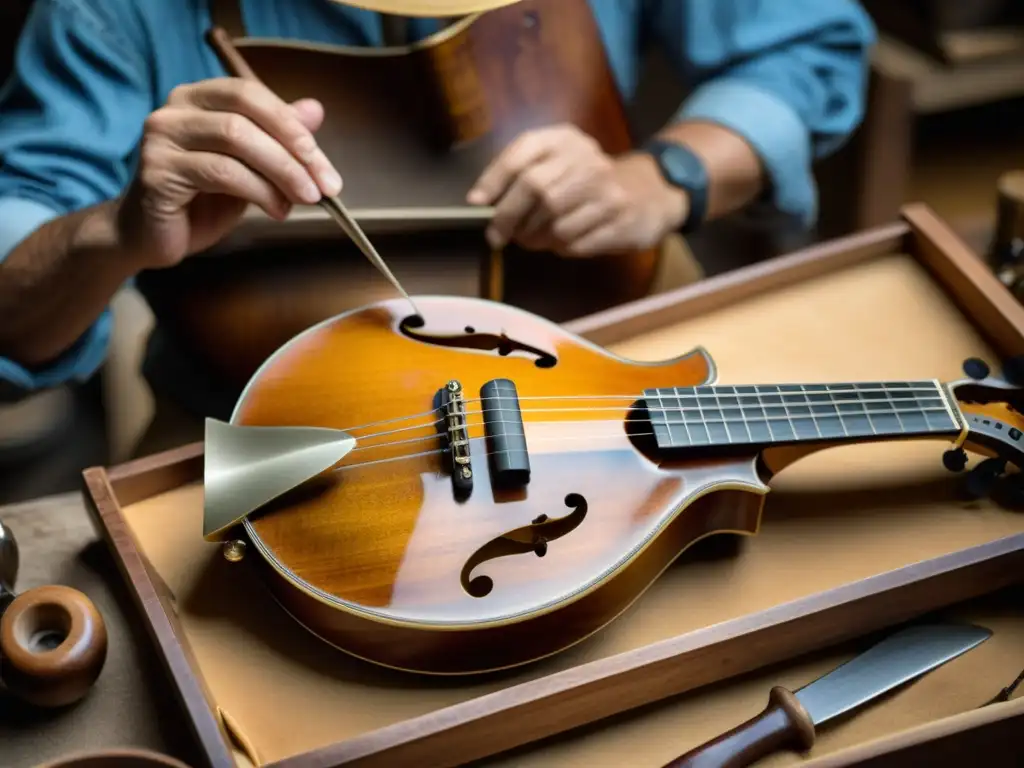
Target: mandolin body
x,y
381,557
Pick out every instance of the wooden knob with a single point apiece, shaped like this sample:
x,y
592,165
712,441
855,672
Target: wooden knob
x,y
783,723
53,643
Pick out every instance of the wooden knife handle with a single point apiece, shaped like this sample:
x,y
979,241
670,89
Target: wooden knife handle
x,y
784,723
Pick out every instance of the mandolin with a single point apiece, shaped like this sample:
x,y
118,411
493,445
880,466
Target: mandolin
x,y
511,488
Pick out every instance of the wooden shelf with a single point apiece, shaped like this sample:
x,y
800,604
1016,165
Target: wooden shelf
x,y
986,65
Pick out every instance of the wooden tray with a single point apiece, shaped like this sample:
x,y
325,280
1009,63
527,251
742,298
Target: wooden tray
x,y
853,540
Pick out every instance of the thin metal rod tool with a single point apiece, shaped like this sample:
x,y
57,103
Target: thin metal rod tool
x,y
346,221
236,64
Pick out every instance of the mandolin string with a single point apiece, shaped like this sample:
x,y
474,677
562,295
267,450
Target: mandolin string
x,y
683,410
704,421
545,439
432,451
684,422
813,389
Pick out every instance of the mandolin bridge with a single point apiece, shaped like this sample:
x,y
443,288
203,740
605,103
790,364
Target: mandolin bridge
x,y
455,430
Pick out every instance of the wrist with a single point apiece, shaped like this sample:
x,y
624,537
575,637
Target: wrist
x,y
102,234
670,203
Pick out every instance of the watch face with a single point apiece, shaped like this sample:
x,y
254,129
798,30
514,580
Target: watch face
x,y
685,170
680,166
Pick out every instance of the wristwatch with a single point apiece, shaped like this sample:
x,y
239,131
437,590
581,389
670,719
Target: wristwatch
x,y
683,169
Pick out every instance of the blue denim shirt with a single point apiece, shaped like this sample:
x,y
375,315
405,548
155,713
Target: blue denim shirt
x,y
788,75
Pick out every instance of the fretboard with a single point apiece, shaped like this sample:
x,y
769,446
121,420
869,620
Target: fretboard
x,y
763,415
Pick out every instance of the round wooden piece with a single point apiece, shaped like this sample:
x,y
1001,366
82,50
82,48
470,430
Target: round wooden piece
x,y
53,642
116,758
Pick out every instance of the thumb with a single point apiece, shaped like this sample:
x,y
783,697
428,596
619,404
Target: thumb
x,y
310,113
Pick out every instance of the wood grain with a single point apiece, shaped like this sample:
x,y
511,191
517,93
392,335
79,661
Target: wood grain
x,y
970,283
784,724
381,541
617,324
584,694
154,602
383,560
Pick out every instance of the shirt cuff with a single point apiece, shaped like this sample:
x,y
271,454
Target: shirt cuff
x,y
773,129
19,218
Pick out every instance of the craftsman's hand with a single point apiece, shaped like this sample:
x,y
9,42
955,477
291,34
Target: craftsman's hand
x,y
214,148
554,189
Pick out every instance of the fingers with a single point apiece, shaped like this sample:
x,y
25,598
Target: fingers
x,y
604,239
558,201
235,135
577,224
310,113
522,153
215,173
535,232
541,176
529,190
277,119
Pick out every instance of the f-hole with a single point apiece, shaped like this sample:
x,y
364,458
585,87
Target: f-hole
x,y
472,338
529,539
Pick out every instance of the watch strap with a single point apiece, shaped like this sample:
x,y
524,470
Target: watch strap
x,y
682,168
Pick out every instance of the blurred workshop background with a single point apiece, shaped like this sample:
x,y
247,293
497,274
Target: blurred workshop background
x,y
945,120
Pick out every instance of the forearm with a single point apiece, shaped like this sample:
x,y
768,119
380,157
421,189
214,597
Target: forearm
x,y
785,79
735,174
57,282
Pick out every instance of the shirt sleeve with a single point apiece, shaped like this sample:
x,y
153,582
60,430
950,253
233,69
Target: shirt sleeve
x,y
70,117
790,77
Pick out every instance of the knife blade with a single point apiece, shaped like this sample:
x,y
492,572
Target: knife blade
x,y
791,718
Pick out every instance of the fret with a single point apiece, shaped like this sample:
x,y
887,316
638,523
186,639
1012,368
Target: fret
x,y
760,415
775,414
892,405
827,414
732,414
799,412
810,410
733,403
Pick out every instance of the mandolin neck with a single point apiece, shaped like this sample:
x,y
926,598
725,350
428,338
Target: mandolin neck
x,y
764,416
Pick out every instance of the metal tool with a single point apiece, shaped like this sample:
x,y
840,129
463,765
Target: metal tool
x,y
246,467
348,224
236,64
790,719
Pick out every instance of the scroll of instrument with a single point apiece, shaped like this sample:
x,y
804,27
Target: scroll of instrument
x,y
467,486
410,128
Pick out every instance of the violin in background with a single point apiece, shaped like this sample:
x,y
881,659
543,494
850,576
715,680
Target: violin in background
x,y
411,127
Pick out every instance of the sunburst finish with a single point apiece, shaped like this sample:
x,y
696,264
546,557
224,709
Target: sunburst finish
x,y
380,557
